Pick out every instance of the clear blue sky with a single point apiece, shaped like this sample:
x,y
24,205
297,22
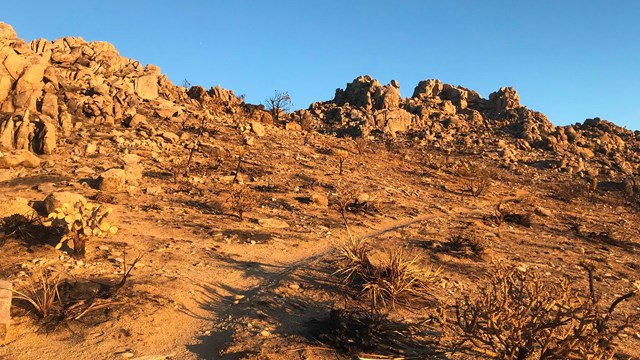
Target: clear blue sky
x,y
569,59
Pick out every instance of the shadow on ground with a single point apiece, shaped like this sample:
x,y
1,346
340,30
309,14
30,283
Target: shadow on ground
x,y
298,312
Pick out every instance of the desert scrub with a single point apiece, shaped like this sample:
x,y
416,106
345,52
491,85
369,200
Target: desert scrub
x,y
241,200
477,181
383,282
24,227
82,223
342,156
522,314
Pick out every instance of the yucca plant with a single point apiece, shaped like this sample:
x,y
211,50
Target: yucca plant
x,y
82,222
398,276
41,294
26,227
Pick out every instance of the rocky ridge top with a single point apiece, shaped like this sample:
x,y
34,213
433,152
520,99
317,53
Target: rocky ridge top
x,y
52,91
453,117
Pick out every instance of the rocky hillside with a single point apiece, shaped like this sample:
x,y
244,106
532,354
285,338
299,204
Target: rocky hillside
x,y
49,90
52,90
449,117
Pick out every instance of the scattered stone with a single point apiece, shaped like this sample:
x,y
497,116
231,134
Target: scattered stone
x,y
273,223
540,211
258,128
112,180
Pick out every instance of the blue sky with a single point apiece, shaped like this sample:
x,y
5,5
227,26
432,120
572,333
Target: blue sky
x,y
568,59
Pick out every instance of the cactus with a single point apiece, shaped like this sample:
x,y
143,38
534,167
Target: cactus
x,y
82,222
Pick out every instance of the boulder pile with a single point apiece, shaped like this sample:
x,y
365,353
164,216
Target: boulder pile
x,y
448,117
49,89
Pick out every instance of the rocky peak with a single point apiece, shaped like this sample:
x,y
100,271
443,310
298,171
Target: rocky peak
x,y
367,93
506,98
48,89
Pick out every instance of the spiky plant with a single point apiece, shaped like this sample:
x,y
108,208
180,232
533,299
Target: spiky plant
x,y
82,223
396,277
20,226
41,294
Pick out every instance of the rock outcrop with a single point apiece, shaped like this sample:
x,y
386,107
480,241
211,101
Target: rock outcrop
x,y
77,92
48,89
447,116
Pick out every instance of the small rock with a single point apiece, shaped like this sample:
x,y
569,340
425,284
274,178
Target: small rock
x,y
293,126
112,180
258,128
136,120
273,223
91,148
294,286
363,198
84,171
20,157
170,137
320,199
540,211
154,190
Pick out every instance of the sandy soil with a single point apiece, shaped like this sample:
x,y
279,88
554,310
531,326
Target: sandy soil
x,y
209,286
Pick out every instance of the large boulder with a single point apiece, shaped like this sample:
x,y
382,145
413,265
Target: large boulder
x,y
506,98
19,158
15,205
7,32
147,87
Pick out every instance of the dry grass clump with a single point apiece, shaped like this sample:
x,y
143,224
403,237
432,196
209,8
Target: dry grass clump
x,y
469,245
570,192
342,155
477,181
54,300
518,315
397,276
